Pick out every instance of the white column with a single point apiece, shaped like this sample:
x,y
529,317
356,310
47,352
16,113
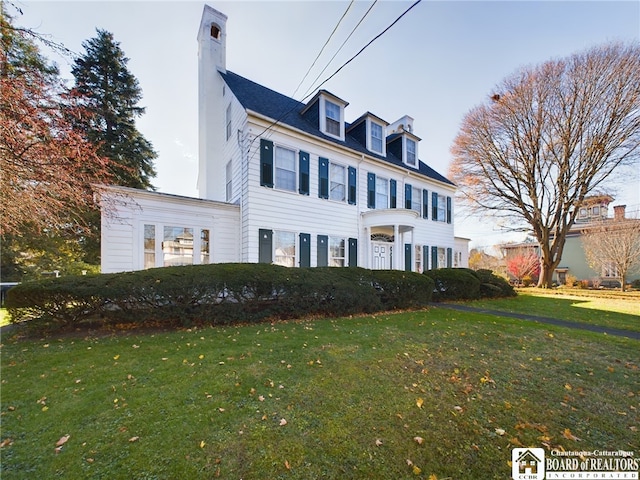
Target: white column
x,y
397,250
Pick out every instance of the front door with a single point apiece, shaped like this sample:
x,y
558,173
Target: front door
x,y
382,255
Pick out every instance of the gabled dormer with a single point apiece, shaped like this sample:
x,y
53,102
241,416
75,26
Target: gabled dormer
x,y
370,131
402,143
326,111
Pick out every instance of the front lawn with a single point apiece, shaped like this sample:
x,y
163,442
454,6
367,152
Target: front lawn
x,y
430,394
610,309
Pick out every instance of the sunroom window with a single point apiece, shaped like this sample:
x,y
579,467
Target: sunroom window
x,y
284,248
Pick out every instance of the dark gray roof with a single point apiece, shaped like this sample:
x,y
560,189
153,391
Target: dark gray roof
x,y
286,110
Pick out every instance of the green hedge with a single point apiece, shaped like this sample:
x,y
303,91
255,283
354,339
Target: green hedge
x,y
213,294
467,284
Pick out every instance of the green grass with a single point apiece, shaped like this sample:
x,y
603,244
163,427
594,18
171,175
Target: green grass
x,y
616,310
209,403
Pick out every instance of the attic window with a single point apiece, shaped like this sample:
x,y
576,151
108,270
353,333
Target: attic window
x,y
215,31
333,118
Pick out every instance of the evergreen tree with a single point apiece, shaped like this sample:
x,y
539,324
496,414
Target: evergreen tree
x,y
111,94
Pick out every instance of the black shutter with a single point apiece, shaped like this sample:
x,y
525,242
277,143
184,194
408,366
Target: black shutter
x,y
425,203
448,209
449,257
371,190
323,178
353,185
303,159
266,163
434,206
425,258
407,196
305,250
407,257
434,258
393,194
265,248
323,251
353,252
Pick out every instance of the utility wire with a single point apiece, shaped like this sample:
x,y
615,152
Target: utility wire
x,y
341,46
275,122
323,47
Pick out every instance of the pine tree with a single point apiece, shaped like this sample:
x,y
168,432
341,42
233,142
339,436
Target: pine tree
x,y
111,94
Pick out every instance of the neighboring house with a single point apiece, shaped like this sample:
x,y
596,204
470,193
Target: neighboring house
x,y
593,212
288,183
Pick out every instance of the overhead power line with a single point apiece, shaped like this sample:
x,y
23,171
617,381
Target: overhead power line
x,y
323,47
275,122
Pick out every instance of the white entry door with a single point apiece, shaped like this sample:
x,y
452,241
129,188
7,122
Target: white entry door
x,y
381,252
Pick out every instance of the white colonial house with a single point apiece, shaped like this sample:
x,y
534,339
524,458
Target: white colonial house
x,y
289,183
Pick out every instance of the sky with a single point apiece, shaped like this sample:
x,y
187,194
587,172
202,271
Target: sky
x,y
438,62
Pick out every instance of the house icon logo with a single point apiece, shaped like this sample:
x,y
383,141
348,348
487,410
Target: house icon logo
x,y
527,464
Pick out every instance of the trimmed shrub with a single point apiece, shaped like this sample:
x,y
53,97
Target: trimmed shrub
x,y
213,294
493,286
454,284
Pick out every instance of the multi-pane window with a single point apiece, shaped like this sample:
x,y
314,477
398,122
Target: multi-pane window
x,y
285,167
228,119
337,182
382,193
177,246
336,252
332,118
610,270
411,152
376,137
442,208
149,246
416,199
284,244
418,258
229,185
205,253
442,257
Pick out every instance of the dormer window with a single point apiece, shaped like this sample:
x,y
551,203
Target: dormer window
x,y
376,139
411,155
332,119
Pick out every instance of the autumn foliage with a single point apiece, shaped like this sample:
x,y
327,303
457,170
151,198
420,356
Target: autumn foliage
x,y
49,169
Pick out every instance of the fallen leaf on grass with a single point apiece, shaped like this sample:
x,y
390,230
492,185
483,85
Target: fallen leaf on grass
x,y
569,436
134,439
6,442
202,444
500,431
419,402
283,422
378,442
418,440
287,465
62,440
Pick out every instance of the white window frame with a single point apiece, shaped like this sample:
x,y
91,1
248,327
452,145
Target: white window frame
x,y
178,251
324,115
278,185
416,199
380,181
335,181
442,257
407,142
337,260
205,246
442,208
229,180
609,270
418,264
371,138
149,249
281,256
228,121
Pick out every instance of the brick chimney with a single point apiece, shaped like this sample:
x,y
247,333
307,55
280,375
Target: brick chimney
x,y
618,212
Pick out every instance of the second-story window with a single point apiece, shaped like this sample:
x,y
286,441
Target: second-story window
x,y
382,193
411,152
228,119
416,199
332,112
376,137
337,189
285,169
